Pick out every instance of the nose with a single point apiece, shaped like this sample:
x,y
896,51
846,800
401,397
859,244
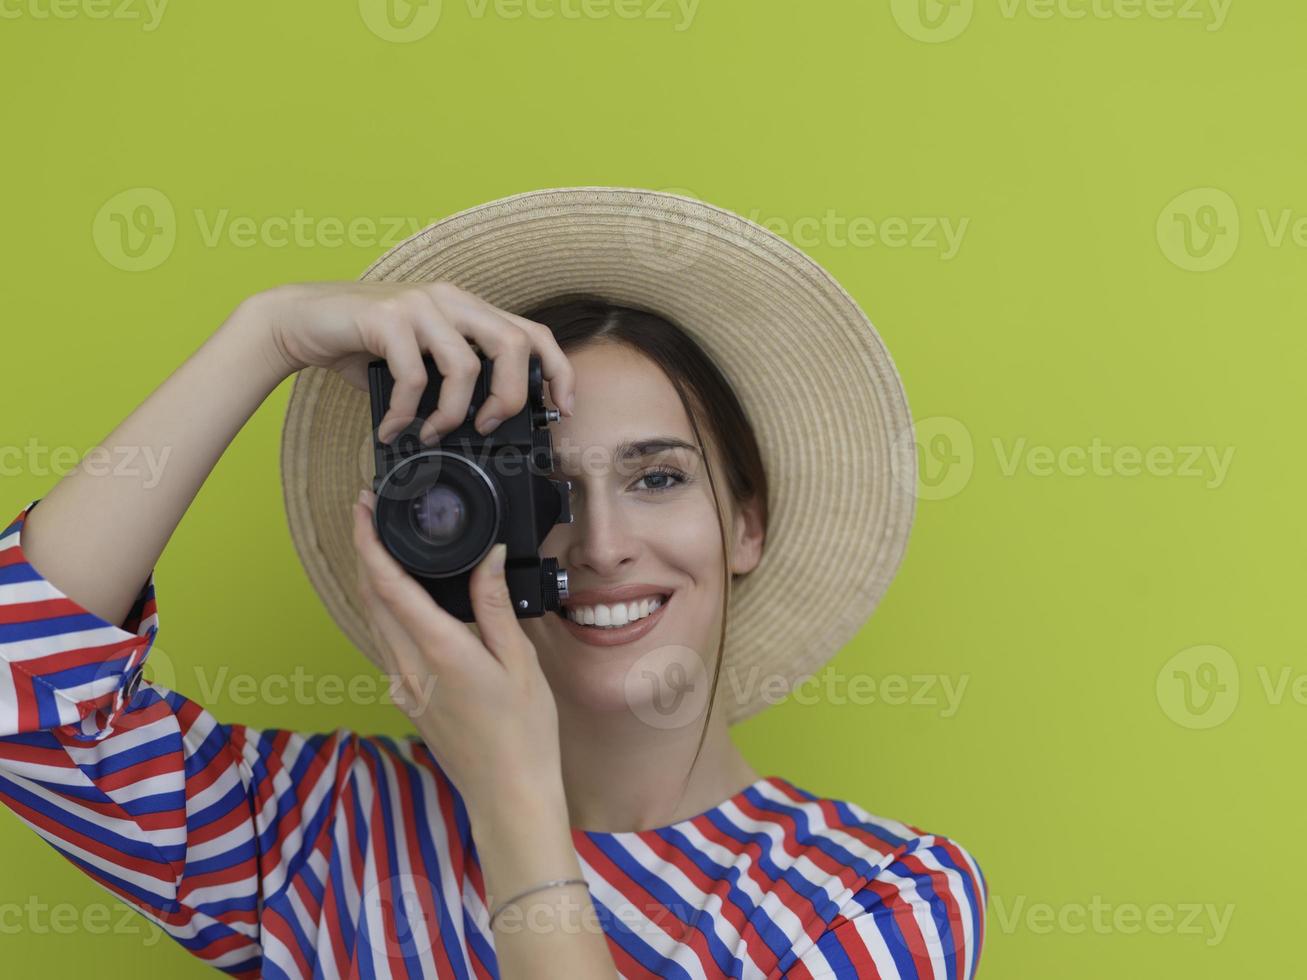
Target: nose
x,y
601,538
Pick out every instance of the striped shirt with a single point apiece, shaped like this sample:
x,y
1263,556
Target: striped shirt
x,y
268,853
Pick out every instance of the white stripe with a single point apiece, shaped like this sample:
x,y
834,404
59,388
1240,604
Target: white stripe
x,y
227,890
453,889
920,910
8,701
409,882
145,883
30,648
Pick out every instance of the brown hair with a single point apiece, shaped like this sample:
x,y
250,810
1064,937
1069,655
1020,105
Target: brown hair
x,y
581,319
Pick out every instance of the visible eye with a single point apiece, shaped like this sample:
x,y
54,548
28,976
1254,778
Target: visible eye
x,y
667,475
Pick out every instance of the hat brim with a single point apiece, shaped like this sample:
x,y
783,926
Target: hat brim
x,y
821,390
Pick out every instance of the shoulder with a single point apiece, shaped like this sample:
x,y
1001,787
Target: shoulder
x,y
896,890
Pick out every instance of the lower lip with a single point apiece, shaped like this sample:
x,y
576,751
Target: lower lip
x,y
616,635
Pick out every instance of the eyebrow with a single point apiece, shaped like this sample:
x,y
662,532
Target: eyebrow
x,y
651,447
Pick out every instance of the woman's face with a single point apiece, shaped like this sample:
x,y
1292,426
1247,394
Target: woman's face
x,y
637,519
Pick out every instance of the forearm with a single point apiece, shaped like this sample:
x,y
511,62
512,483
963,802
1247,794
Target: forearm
x,y
551,933
100,530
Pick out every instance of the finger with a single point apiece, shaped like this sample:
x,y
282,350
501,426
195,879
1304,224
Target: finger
x,y
460,368
400,660
455,360
502,340
508,380
554,364
492,605
441,639
398,345
396,591
381,625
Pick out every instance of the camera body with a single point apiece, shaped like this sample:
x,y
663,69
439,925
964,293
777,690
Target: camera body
x,y
440,509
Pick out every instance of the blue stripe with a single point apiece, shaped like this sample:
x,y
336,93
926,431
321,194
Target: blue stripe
x,y
126,846
392,892
635,947
763,924
430,867
669,899
37,629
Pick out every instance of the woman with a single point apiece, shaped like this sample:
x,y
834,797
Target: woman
x,y
573,805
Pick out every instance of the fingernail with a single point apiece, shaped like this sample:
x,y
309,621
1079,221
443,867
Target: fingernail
x,y
363,497
486,425
497,557
571,402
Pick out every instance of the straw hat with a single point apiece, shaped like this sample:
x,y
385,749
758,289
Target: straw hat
x,y
812,374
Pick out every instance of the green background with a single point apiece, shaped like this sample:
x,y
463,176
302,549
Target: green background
x,y
1077,767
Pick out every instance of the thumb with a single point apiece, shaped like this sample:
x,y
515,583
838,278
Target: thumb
x,y
492,605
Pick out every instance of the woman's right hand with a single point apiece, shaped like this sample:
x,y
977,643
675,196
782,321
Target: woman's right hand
x,y
344,325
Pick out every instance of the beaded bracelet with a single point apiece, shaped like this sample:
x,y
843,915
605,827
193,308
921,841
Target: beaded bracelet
x,y
529,891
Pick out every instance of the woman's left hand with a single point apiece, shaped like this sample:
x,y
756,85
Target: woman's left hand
x,y
483,706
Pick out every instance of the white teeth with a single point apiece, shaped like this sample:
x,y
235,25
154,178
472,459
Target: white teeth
x,y
619,614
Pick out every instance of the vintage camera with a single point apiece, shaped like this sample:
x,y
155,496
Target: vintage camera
x,y
441,508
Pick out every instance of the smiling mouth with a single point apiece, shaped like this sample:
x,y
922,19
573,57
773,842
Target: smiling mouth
x,y
655,603
603,636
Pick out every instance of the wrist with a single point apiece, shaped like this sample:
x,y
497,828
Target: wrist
x,y
521,848
254,323
510,805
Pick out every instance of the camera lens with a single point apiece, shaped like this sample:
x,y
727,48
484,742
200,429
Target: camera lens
x,y
439,514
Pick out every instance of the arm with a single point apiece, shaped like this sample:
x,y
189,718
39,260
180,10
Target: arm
x,y
98,532
193,823
922,917
551,933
